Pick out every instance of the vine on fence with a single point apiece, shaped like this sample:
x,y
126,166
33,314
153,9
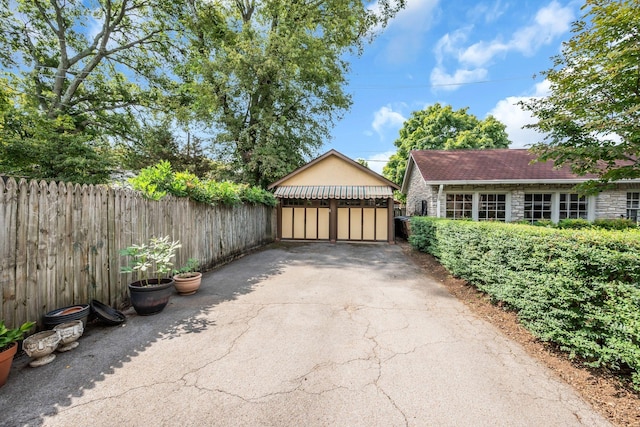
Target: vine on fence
x,y
157,181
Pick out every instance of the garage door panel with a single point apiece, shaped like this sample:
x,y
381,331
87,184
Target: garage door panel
x,y
369,224
287,223
323,223
311,223
343,223
355,221
382,224
298,223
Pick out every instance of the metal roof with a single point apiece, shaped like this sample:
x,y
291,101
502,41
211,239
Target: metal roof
x,y
354,192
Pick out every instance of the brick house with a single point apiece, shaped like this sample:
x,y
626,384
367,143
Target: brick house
x,y
505,185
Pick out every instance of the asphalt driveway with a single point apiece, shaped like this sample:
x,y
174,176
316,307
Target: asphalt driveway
x,y
298,335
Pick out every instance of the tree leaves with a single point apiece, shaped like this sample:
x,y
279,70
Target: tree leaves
x,y
592,117
440,128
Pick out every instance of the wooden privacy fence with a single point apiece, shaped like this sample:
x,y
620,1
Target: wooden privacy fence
x,y
60,242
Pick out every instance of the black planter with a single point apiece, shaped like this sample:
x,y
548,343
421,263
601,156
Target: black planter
x,y
150,297
59,316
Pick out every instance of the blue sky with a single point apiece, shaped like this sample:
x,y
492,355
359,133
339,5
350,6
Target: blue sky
x,y
477,54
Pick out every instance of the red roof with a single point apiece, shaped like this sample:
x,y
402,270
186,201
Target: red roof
x,y
488,165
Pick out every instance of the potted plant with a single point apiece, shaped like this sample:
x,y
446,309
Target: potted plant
x,y
9,346
187,279
152,261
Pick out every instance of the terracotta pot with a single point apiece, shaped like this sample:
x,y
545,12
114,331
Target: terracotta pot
x,y
150,297
187,283
6,359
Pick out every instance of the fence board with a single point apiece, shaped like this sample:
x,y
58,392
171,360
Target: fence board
x,y
62,241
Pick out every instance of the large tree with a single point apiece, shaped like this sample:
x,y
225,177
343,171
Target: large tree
x,y
269,75
81,68
439,127
592,116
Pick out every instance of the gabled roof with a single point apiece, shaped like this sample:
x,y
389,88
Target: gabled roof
x,y
486,166
383,181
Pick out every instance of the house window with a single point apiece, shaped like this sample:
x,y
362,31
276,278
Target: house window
x,y
573,206
633,206
492,207
459,206
537,207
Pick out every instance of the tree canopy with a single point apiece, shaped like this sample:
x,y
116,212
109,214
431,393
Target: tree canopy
x,y
266,79
439,127
591,119
269,76
81,73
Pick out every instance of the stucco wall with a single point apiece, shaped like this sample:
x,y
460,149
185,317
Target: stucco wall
x,y
333,171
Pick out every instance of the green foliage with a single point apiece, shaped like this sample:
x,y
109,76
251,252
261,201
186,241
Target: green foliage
x,y
158,142
577,288
37,147
440,128
157,181
9,336
591,118
574,223
192,266
615,224
270,76
151,260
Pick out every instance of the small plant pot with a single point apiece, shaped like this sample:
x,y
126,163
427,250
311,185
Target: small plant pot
x,y
150,297
41,346
69,332
187,283
6,359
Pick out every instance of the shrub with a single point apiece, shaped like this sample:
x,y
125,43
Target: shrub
x,y
574,223
578,288
157,181
615,224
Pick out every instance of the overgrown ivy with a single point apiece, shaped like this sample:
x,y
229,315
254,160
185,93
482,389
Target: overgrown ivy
x,y
579,288
159,180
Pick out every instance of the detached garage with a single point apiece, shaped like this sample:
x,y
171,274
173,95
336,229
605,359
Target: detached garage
x,y
334,198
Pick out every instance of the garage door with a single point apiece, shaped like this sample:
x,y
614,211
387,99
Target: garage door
x,y
363,220
305,219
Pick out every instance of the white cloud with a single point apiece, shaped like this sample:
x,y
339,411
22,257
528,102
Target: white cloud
x,y
445,81
481,53
549,22
406,30
386,119
514,117
448,45
378,161
483,11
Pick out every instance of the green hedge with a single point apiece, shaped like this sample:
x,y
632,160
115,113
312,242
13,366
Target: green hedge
x,y
577,288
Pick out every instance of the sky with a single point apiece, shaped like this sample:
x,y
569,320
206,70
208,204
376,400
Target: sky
x,y
484,55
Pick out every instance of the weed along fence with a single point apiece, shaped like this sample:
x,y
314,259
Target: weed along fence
x,y
60,242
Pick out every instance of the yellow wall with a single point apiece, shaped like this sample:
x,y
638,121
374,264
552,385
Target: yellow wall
x,y
333,171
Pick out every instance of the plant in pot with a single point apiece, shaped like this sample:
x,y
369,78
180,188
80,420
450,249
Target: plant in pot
x,y
9,346
152,261
187,279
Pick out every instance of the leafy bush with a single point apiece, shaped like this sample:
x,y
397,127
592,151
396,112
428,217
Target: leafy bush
x,y
574,223
157,181
615,224
577,288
